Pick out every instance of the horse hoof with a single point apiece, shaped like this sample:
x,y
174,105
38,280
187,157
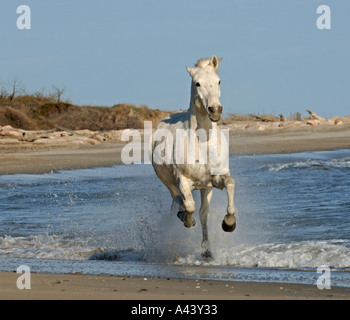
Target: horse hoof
x,y
228,228
191,224
207,256
183,217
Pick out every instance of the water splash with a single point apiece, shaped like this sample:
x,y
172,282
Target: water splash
x,y
306,254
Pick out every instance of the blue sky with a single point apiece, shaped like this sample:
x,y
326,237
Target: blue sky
x,y
106,52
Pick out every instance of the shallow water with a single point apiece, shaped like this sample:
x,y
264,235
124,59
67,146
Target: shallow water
x,y
293,216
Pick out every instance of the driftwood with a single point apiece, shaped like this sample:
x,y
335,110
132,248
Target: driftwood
x,y
31,136
316,119
59,135
316,116
265,118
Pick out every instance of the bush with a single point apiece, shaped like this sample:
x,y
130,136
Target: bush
x,y
16,119
34,112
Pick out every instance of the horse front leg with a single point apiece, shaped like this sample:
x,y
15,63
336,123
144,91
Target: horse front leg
x,y
189,205
229,222
206,195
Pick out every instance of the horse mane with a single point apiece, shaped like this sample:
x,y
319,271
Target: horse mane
x,y
205,62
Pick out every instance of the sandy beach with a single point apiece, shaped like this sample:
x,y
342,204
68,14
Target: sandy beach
x,y
43,158
91,287
30,159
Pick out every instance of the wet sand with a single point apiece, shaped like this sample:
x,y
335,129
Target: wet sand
x,y
86,287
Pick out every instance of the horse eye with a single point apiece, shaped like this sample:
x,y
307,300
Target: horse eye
x,y
219,82
198,84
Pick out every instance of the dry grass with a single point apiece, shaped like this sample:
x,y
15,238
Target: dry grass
x,y
37,112
16,119
233,117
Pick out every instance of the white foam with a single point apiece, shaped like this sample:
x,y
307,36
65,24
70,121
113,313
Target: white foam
x,y
44,247
306,254
335,163
298,255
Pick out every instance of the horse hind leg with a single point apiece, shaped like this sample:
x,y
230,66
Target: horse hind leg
x,y
206,195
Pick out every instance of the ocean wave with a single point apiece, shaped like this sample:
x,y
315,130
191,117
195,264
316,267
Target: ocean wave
x,y
298,255
306,254
55,247
45,247
117,255
306,164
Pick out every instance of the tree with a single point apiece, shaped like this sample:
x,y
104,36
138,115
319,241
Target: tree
x,y
15,86
58,92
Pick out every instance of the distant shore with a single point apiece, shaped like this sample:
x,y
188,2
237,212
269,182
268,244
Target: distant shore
x,y
28,158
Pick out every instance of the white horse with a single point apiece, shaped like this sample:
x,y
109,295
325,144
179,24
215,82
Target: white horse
x,y
182,178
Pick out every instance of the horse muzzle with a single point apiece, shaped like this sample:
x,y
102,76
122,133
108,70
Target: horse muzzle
x,y
215,113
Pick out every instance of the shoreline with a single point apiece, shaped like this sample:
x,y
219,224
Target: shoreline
x,y
30,159
77,286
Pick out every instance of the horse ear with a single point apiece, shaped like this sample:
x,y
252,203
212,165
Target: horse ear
x,y
190,71
215,62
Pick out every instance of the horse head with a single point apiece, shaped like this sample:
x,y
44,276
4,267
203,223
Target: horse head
x,y
205,88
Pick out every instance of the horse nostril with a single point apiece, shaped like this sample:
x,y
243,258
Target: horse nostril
x,y
211,109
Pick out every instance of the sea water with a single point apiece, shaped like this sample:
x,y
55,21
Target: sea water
x,y
293,216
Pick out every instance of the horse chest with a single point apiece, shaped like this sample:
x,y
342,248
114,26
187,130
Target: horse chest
x,y
198,174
